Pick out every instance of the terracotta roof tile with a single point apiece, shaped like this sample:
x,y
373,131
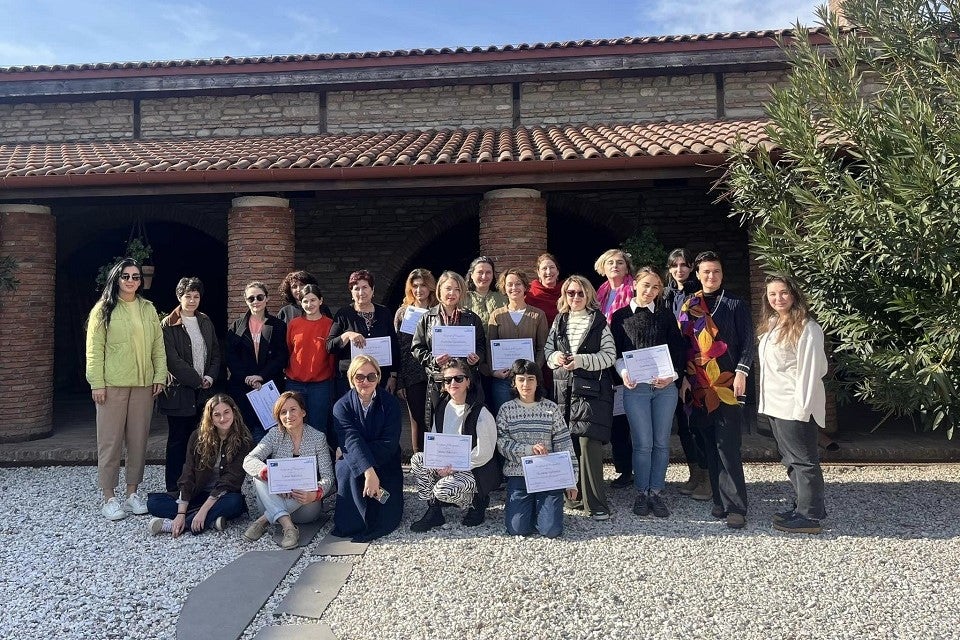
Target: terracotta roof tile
x,y
383,149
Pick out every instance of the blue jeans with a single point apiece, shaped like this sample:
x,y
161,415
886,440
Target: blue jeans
x,y
524,510
230,505
650,414
319,396
499,394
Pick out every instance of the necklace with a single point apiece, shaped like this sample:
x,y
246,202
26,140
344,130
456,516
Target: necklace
x,y
367,318
717,306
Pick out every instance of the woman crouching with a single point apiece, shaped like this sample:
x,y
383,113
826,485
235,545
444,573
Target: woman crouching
x,y
531,425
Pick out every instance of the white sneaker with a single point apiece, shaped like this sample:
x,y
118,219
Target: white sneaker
x,y
135,504
112,510
157,526
220,523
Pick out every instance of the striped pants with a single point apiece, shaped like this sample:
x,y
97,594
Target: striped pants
x,y
456,489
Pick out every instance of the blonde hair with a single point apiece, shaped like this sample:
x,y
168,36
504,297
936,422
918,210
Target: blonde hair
x,y
589,292
358,362
456,277
606,255
648,270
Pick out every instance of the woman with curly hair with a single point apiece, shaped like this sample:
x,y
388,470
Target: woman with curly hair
x,y
212,480
412,382
291,290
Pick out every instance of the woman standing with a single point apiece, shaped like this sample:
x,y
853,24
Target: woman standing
x,y
126,369
193,360
412,380
369,473
544,292
514,321
531,425
720,351
256,353
212,481
291,438
792,365
448,312
580,350
649,404
310,370
614,294
460,413
478,296
352,325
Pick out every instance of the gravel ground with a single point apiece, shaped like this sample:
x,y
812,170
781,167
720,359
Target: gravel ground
x,y
887,566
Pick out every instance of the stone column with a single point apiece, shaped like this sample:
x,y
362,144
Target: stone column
x,y
28,234
513,228
260,246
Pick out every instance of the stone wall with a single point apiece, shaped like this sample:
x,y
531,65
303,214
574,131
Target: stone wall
x,y
61,121
420,108
215,116
689,97
746,93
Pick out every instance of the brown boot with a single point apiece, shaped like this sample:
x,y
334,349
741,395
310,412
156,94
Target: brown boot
x,y
695,477
704,490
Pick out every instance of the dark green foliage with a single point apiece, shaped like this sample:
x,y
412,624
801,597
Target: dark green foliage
x,y
645,249
862,201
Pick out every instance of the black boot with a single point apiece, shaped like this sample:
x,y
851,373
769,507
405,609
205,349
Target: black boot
x,y
431,519
477,512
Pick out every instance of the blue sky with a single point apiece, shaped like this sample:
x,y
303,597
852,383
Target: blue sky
x,y
72,31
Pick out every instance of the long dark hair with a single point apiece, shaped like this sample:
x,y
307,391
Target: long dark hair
x,y
111,289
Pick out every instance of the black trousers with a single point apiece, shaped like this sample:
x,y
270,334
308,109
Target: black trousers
x,y
621,446
721,431
800,454
690,439
179,429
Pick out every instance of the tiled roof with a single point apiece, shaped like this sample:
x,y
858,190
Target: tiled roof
x,y
411,53
287,157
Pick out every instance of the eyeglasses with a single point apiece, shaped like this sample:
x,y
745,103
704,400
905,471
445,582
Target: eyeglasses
x,y
257,298
130,276
575,294
458,379
370,377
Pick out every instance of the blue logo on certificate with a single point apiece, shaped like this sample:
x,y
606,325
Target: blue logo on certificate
x,y
431,438
528,461
271,463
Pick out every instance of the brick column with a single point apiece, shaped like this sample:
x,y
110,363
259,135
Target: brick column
x,y
28,234
260,246
513,228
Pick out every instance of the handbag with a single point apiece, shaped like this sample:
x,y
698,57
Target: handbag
x,y
586,387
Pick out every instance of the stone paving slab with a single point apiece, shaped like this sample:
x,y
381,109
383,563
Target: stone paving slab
x,y
332,545
316,588
223,605
319,631
307,530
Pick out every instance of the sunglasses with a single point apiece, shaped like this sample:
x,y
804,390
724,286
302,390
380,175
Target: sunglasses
x,y
458,379
257,298
370,377
130,276
575,294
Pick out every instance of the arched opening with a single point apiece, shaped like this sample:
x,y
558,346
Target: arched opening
x,y
577,241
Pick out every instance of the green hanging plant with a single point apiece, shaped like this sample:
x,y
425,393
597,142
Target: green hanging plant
x,y
644,249
137,248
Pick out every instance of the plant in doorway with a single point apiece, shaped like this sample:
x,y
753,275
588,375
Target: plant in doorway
x,y
140,250
8,278
644,249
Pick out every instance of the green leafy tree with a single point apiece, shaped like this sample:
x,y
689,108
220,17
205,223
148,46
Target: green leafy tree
x,y
859,199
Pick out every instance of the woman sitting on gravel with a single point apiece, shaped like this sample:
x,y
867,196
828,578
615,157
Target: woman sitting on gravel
x,y
291,438
459,411
792,395
212,478
531,425
369,473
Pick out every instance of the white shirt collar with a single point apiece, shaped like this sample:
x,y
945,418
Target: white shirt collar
x,y
634,306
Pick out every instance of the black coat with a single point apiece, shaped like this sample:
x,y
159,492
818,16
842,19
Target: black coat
x,y
184,396
422,347
242,362
347,319
487,475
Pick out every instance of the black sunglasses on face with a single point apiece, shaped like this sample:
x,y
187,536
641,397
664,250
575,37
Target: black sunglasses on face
x,y
458,379
370,377
575,294
257,298
130,276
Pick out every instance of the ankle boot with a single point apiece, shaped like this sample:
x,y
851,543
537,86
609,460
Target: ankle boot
x,y
704,490
696,474
431,519
477,512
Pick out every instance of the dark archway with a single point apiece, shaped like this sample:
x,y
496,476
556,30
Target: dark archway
x,y
577,239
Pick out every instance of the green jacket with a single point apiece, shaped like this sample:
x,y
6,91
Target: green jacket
x,y
111,353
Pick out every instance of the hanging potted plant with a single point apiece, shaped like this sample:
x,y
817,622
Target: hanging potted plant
x,y
138,248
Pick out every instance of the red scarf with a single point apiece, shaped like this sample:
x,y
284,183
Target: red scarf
x,y
544,298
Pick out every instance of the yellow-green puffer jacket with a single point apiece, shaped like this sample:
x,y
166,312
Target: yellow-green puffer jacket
x,y
111,351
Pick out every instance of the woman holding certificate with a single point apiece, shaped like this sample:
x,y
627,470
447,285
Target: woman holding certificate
x,y
355,324
512,326
412,383
580,351
531,425
369,475
650,393
458,413
792,365
310,370
459,343
256,353
281,452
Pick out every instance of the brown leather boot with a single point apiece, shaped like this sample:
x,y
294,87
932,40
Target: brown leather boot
x,y
695,477
704,490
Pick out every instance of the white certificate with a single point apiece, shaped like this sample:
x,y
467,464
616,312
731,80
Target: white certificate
x,y
548,473
644,365
286,474
503,353
411,316
378,348
262,401
442,450
458,342
618,409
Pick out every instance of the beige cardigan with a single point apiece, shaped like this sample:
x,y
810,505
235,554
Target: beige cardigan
x,y
532,325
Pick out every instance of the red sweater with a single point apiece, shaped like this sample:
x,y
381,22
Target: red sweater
x,y
307,342
544,298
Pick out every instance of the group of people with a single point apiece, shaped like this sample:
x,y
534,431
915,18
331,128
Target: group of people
x,y
340,405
